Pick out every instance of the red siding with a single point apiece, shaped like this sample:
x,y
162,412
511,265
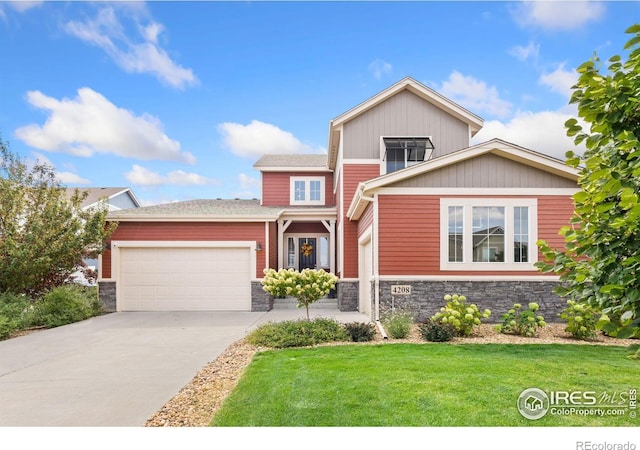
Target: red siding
x,y
273,245
188,231
353,174
276,187
366,219
553,213
306,227
409,233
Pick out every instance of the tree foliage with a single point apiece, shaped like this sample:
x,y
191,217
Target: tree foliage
x,y
307,286
601,262
44,235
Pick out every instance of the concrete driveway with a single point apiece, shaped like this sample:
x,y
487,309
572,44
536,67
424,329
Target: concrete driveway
x,y
117,369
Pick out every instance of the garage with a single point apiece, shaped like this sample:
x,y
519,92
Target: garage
x,y
215,277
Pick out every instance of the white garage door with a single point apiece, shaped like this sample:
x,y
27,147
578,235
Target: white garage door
x,y
207,279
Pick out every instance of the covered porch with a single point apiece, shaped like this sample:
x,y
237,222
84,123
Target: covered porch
x,y
307,239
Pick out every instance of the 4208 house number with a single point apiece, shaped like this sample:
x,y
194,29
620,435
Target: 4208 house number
x,y
400,289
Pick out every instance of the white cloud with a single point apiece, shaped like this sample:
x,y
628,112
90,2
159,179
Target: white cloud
x,y
475,95
259,138
142,176
92,124
543,132
247,182
531,51
71,178
133,56
557,15
379,68
23,5
560,80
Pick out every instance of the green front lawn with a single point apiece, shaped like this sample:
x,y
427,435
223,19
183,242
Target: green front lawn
x,y
423,385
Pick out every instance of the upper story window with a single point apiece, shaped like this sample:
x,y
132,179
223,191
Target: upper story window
x,y
488,233
307,190
401,152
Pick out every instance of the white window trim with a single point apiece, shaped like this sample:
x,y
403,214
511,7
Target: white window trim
x,y
383,150
307,191
468,203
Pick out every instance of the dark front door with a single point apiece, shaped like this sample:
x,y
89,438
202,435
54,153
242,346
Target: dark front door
x,y
307,253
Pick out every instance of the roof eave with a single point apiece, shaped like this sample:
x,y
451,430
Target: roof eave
x,y
293,169
192,218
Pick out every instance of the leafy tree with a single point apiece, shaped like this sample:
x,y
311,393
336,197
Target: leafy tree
x,y
44,236
307,286
600,265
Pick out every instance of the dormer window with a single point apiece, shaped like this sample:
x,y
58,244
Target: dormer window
x,y
307,190
401,152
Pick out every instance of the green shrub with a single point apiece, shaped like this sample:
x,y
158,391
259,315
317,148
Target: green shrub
x,y
66,304
360,331
15,313
460,314
398,323
581,320
435,331
523,322
7,327
297,333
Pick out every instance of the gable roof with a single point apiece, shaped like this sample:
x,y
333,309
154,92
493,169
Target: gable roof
x,y
475,122
288,162
96,194
498,147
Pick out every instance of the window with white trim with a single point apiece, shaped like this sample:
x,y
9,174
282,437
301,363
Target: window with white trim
x,y
307,191
488,233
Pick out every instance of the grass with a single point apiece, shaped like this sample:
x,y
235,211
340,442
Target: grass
x,y
422,385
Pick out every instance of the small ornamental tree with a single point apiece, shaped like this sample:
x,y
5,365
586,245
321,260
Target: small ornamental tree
x,y
601,261
307,286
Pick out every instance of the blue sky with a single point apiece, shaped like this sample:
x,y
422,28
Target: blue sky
x,y
177,100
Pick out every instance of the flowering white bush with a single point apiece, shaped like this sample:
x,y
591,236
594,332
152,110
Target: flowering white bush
x,y
307,286
460,314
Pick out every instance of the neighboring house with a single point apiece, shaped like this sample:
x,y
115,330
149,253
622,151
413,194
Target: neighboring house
x,y
116,198
402,204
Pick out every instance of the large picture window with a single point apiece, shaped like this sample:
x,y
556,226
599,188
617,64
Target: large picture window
x,y
488,234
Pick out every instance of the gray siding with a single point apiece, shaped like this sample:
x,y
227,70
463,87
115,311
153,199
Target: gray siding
x,y
122,201
404,114
488,171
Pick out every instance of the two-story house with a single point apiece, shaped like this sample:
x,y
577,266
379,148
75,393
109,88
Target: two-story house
x,y
402,208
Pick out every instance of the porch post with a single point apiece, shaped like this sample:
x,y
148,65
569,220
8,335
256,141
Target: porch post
x,y
330,225
282,227
332,246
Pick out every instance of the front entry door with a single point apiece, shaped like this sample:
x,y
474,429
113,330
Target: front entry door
x,y
307,253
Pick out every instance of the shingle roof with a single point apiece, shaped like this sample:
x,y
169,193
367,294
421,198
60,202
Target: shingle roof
x,y
293,160
205,208
96,193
